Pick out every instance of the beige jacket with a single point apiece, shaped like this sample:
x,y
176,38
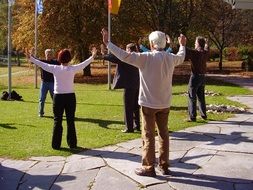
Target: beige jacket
x,y
156,71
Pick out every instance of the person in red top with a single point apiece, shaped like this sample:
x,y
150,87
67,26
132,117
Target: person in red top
x,y
196,87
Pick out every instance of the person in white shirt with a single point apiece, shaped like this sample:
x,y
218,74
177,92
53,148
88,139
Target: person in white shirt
x,y
64,96
156,71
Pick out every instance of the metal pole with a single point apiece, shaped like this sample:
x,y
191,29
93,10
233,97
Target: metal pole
x,y
36,43
109,39
9,47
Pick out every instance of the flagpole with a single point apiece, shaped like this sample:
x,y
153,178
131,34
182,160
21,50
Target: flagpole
x,y
36,42
109,39
9,46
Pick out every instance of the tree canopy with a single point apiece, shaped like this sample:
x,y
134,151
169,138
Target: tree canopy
x,y
76,24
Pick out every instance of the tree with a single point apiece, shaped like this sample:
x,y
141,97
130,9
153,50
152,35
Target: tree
x,y
73,24
217,18
3,25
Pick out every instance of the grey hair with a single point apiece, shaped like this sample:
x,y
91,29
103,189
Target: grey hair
x,y
158,39
48,50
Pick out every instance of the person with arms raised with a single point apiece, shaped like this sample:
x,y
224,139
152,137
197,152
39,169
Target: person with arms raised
x,y
64,96
156,70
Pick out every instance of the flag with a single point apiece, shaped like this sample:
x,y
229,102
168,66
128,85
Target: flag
x,y
113,6
39,6
11,2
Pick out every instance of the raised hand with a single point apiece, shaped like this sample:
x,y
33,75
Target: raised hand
x,y
94,52
182,40
168,40
104,33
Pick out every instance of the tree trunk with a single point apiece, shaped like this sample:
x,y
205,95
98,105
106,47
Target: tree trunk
x,y
220,61
18,57
86,70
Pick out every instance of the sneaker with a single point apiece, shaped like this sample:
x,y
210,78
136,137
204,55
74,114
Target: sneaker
x,y
143,172
41,115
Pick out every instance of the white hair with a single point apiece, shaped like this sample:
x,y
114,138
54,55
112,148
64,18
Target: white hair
x,y
158,39
47,51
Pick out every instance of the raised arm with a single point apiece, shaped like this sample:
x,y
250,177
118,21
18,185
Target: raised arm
x,y
135,59
43,65
206,45
180,56
85,63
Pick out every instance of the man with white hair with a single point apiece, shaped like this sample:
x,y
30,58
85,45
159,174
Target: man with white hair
x,y
156,71
47,81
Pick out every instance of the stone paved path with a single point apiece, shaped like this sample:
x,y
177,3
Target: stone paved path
x,y
218,155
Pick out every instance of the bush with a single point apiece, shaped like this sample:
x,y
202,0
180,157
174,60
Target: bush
x,y
247,57
231,54
245,52
214,54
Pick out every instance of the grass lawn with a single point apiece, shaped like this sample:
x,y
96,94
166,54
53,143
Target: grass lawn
x,y
99,118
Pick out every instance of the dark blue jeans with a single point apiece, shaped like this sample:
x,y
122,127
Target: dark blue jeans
x,y
196,91
44,88
61,103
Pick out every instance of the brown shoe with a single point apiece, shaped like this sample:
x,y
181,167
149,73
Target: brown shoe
x,y
164,171
143,172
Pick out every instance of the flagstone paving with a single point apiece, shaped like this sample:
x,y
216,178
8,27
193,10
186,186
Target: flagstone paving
x,y
218,155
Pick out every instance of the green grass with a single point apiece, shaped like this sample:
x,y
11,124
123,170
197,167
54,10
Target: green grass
x,y
99,118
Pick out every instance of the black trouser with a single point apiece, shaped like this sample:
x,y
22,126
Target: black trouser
x,y
61,103
131,109
196,91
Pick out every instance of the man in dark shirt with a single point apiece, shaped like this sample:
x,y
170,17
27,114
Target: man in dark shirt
x,y
127,78
47,82
196,86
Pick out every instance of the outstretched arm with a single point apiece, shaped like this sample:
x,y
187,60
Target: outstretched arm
x,y
43,65
135,59
180,56
85,63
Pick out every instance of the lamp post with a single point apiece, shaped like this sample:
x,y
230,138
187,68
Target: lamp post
x,y
10,3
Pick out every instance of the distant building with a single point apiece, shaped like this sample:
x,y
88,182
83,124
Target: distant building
x,y
241,4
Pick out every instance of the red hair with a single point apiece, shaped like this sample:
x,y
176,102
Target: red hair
x,y
64,56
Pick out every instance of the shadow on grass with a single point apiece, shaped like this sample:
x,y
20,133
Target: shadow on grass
x,y
7,125
100,122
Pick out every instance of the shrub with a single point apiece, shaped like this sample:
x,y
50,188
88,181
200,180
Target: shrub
x,y
214,53
231,54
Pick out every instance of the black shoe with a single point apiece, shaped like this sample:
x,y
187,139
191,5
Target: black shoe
x,y
204,117
143,172
164,171
190,120
127,131
56,147
137,129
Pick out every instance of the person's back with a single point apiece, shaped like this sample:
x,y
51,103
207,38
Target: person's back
x,y
156,70
156,76
198,58
196,87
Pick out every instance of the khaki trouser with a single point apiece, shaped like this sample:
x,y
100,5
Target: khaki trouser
x,y
150,117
